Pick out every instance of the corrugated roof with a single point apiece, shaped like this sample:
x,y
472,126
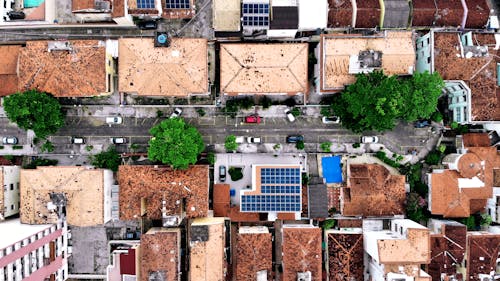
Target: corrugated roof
x,y
318,201
284,18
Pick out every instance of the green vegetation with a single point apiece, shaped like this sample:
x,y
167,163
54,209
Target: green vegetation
x,y
415,208
235,173
485,220
433,157
201,112
47,146
33,110
375,101
234,105
305,179
299,145
470,222
296,112
230,143
277,146
459,128
437,116
1,147
175,143
325,146
328,224
326,111
40,162
89,148
211,158
382,156
356,145
18,147
109,159
265,102
159,114
9,157
134,147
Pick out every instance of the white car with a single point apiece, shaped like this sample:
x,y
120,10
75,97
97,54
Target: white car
x,y
369,139
177,113
119,140
254,140
289,115
114,120
240,139
330,120
78,140
9,140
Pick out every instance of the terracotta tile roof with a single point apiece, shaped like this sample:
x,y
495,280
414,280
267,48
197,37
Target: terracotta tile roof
x,y
8,69
448,199
345,255
118,9
178,13
482,254
476,140
222,206
253,254
85,190
398,55
447,249
154,185
414,249
496,177
368,13
478,13
179,70
477,72
424,13
206,249
373,191
263,68
301,252
79,73
160,254
349,223
78,5
339,13
286,216
449,13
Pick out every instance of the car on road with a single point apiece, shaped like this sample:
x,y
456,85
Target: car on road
x,y
369,139
254,118
422,124
177,113
77,140
114,120
9,140
254,140
147,24
330,120
222,173
118,140
240,139
289,115
294,138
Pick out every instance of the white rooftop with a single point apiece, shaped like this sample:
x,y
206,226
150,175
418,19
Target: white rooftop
x,y
14,231
313,14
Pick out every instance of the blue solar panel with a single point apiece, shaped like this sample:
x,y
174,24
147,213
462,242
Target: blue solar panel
x,y
145,4
255,14
270,203
253,8
177,4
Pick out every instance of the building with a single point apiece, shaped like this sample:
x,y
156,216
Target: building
x,y
448,247
161,193
344,254
468,64
124,263
8,68
160,255
226,15
207,255
275,189
75,68
343,56
179,69
254,253
395,250
464,14
9,197
372,191
493,203
301,252
482,258
465,185
82,194
340,14
33,252
313,14
259,69
35,12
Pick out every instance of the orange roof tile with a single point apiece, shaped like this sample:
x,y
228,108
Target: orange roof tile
x,y
78,5
301,252
253,253
221,199
118,9
147,186
160,254
80,72
482,254
447,248
415,249
476,140
345,256
8,69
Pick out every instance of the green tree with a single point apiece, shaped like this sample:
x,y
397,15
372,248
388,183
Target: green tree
x,y
300,145
109,159
175,143
33,110
485,220
47,146
230,143
325,146
433,157
420,95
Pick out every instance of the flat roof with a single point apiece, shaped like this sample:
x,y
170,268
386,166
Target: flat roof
x,y
398,55
9,55
80,72
14,231
226,15
83,187
414,248
178,70
263,68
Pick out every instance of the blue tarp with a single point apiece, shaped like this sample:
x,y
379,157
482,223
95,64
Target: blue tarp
x,y
332,172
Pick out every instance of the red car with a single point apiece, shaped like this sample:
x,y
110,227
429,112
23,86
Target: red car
x,y
252,119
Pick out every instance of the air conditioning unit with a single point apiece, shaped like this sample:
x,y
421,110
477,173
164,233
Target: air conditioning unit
x,y
102,5
59,46
304,276
162,39
485,277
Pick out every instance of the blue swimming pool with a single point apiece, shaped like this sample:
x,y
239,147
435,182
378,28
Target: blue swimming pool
x,y
332,171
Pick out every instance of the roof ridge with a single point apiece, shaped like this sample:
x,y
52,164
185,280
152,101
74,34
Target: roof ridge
x,y
299,51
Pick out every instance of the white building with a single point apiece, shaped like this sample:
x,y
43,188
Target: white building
x,y
9,197
33,252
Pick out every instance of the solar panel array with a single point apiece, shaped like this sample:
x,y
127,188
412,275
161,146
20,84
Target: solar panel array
x,y
280,192
255,14
145,4
177,4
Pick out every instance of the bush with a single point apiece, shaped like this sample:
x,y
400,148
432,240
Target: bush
x,y
328,224
305,179
265,102
290,102
201,112
356,145
296,112
89,148
109,159
299,145
40,162
485,220
277,146
433,157
159,114
437,116
47,146
211,158
230,143
1,147
326,111
382,156
325,147
18,147
235,173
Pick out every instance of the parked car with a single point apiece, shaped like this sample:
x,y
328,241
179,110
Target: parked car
x,y
119,140
16,15
177,113
222,173
9,140
78,140
422,124
254,140
294,138
254,118
289,115
369,139
330,120
147,24
114,120
240,139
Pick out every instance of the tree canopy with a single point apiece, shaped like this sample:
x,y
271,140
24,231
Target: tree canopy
x,y
33,110
175,143
109,159
375,101
230,143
